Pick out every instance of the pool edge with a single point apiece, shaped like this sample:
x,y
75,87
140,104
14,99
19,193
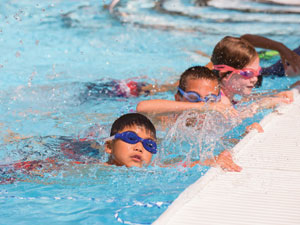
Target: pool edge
x,y
213,174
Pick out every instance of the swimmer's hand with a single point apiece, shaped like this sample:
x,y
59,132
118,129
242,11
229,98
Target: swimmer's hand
x,y
289,59
226,110
288,96
224,160
254,126
290,72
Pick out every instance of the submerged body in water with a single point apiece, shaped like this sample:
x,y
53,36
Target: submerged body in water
x,y
114,88
66,152
128,88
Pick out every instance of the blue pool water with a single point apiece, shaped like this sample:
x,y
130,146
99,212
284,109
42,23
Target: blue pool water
x,y
50,49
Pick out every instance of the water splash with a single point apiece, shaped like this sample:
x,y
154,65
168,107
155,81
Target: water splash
x,y
195,136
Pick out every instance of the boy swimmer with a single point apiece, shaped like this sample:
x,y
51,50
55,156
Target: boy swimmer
x,y
198,90
132,143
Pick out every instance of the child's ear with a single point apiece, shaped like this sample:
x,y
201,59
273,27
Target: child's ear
x,y
108,147
177,97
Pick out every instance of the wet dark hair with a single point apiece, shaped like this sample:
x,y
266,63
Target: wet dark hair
x,y
234,52
196,72
132,119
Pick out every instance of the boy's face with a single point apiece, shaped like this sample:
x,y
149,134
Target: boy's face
x,y
202,86
125,154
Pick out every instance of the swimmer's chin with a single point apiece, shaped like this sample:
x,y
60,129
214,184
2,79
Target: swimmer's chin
x,y
247,91
134,164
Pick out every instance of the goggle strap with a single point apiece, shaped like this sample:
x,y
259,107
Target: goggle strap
x,y
109,138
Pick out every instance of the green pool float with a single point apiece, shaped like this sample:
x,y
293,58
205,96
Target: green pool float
x,y
267,54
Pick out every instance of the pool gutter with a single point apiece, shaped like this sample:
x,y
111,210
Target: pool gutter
x,y
267,191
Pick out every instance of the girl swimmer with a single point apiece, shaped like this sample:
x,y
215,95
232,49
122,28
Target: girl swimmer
x,y
237,63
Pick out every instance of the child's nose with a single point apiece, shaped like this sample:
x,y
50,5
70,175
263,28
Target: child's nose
x,y
138,147
253,79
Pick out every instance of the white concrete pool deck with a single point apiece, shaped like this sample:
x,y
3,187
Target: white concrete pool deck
x,y
266,192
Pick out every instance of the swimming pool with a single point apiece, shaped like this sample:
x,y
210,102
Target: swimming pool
x,y
49,51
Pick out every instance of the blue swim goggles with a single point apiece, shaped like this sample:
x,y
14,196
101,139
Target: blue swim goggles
x,y
132,138
192,96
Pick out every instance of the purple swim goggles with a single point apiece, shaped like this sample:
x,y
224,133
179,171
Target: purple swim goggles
x,y
246,72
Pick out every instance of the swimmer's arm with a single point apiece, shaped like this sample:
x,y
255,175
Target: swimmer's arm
x,y
162,106
286,54
262,42
266,100
266,103
270,102
270,93
257,96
